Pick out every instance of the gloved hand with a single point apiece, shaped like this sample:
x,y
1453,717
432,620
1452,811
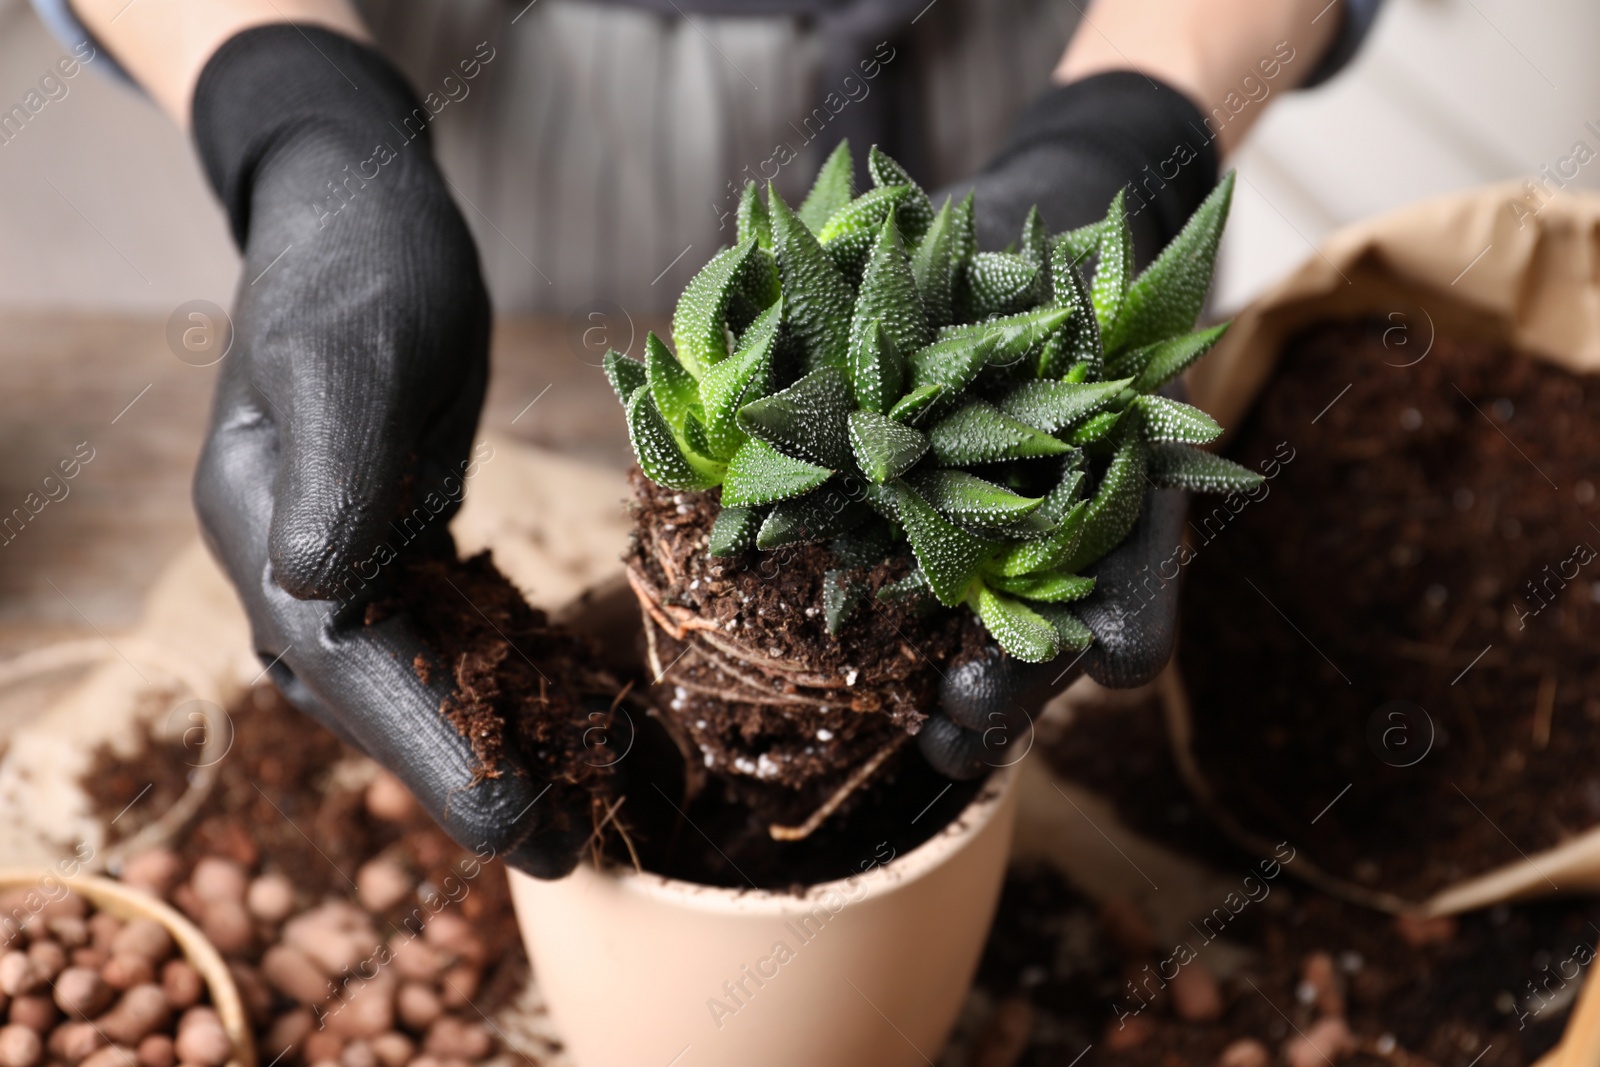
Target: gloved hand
x,y
1070,152
986,705
351,394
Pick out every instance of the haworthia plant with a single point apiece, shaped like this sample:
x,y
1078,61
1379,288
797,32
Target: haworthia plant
x,y
856,372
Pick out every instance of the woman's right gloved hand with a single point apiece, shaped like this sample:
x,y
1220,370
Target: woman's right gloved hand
x,y
345,411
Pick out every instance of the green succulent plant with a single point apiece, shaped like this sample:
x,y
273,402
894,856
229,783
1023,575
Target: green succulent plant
x,y
856,372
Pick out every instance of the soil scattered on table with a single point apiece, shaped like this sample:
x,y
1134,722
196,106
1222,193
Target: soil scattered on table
x,y
1424,565
1060,975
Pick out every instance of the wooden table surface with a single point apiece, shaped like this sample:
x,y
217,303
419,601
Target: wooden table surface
x,y
83,563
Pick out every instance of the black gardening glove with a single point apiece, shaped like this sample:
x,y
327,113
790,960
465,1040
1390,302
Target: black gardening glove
x,y
351,391
1070,152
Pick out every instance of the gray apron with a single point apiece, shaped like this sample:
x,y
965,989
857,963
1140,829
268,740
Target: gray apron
x,y
599,150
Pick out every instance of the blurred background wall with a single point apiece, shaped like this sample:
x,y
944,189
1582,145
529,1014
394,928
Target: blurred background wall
x,y
105,209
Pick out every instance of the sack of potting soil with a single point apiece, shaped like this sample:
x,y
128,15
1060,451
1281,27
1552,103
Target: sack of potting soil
x,y
1387,650
1385,676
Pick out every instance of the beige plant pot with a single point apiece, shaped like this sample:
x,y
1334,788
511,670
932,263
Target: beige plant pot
x,y
872,970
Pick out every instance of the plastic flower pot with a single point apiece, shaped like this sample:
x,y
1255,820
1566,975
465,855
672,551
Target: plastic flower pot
x,y
641,969
114,898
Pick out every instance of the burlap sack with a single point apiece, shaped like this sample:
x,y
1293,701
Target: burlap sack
x,y
1520,267
1495,262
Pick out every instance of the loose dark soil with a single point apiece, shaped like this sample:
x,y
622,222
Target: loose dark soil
x,y
1432,541
859,691
523,689
1059,972
275,805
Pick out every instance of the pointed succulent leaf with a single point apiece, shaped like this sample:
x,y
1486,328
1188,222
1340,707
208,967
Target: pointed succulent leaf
x,y
1053,588
1075,636
832,190
963,246
931,266
661,457
1080,341
910,407
1067,492
1170,420
916,212
963,234
1017,628
738,380
972,503
1035,247
884,449
979,432
755,288
883,499
1168,296
877,369
841,597
734,531
889,292
1116,503
754,224
950,364
887,322
808,420
1077,245
851,234
1182,467
1051,360
676,392
760,474
950,556
624,374
1165,360
864,214
817,299
1095,428
1049,406
694,435
816,516
1013,336
1034,557
699,324
913,587
1114,270
1000,283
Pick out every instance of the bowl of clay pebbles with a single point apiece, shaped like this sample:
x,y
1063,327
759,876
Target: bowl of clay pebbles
x,y
96,974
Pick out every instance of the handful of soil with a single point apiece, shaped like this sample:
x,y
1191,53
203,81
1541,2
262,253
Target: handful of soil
x,y
1408,686
524,690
